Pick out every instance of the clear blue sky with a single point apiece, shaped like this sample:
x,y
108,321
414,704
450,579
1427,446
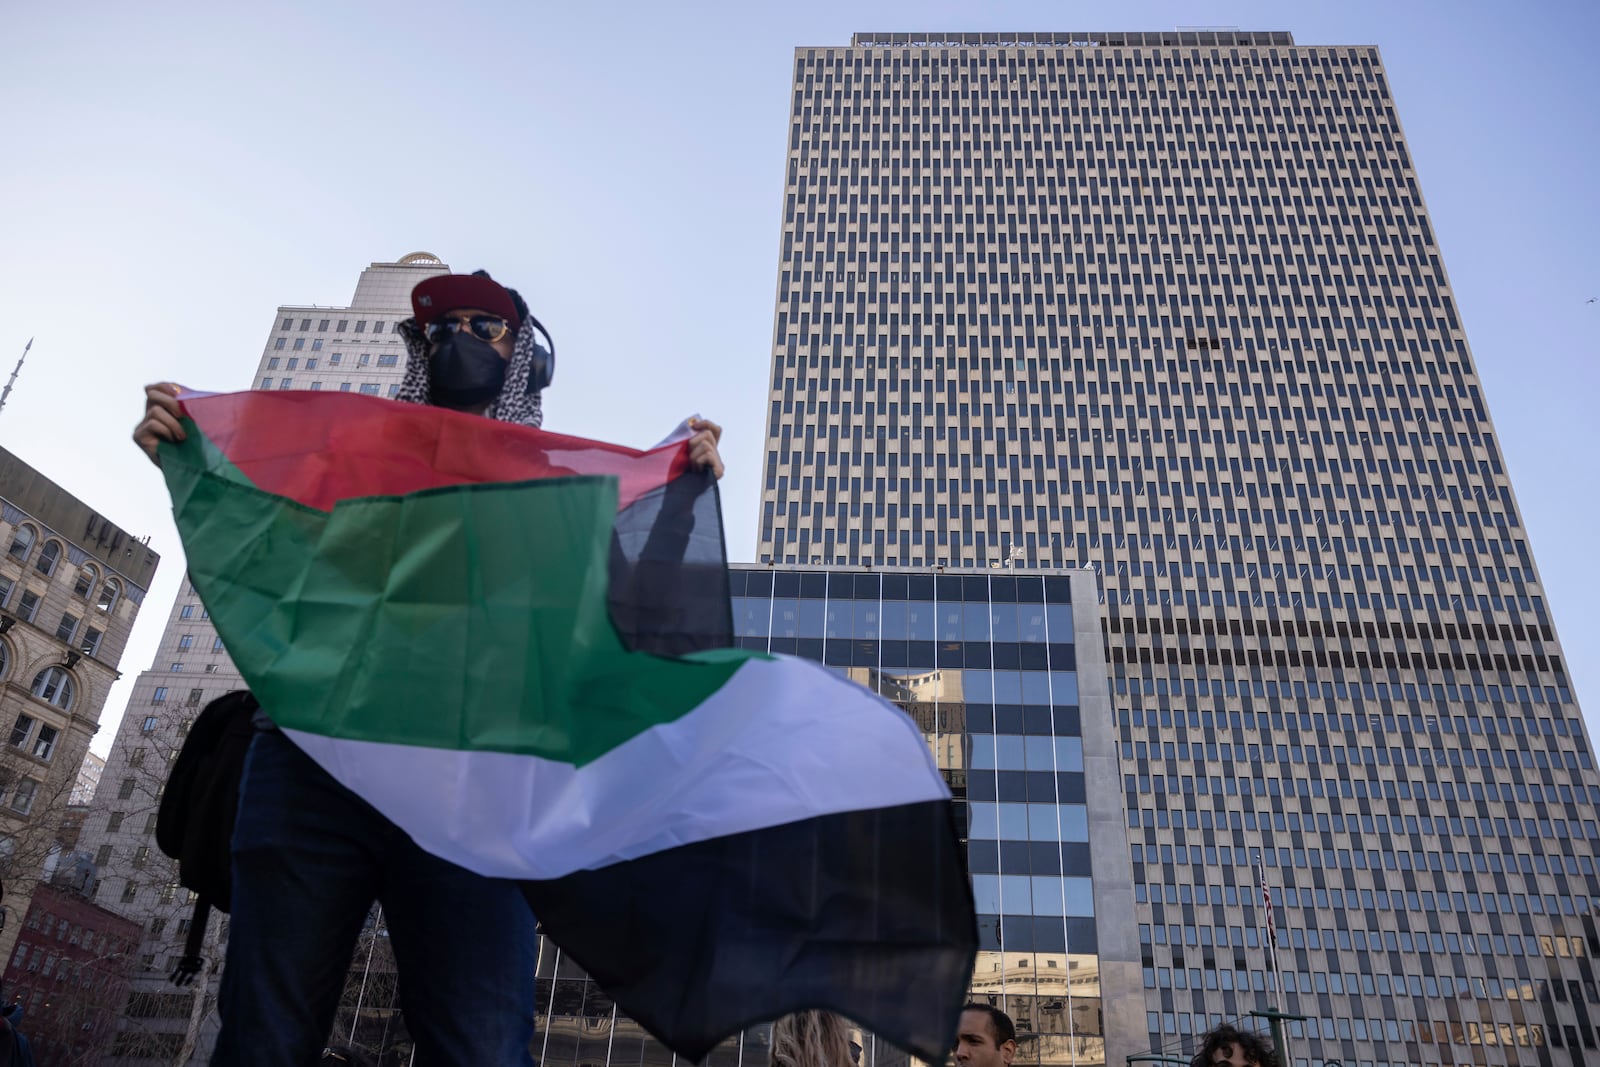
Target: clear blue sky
x,y
172,173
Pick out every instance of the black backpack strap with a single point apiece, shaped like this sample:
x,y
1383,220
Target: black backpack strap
x,y
191,962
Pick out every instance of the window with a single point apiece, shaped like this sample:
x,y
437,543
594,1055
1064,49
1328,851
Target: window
x,y
277,346
186,612
108,596
136,757
91,641
149,725
130,891
186,641
323,325
369,389
53,686
216,645
294,364
102,856
195,696
169,891
388,361
177,668
125,791
20,730
141,856
114,823
361,326
5,658
343,323
305,324
288,324
316,387
272,363
266,383
311,363
85,583
28,607
68,628
316,346
285,383
344,387
159,696
45,744
21,543
333,360
6,585
377,327
211,668
299,344
48,558
22,799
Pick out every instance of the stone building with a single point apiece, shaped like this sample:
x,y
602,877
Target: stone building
x,y
71,585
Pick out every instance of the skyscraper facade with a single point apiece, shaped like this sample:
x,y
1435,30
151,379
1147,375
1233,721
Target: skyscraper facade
x,y
1169,307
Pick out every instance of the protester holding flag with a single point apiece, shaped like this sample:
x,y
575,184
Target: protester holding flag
x,y
514,646
311,857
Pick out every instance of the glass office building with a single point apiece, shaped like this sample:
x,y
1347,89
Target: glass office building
x,y
1171,306
1003,671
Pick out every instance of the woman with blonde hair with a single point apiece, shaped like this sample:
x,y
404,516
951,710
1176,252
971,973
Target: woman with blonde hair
x,y
812,1039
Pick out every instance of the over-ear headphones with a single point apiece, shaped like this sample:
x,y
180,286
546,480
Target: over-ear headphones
x,y
543,367
544,355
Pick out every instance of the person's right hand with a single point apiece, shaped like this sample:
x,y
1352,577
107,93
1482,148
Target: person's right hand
x,y
160,421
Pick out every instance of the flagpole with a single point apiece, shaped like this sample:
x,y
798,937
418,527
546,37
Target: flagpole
x,y
14,372
1275,1017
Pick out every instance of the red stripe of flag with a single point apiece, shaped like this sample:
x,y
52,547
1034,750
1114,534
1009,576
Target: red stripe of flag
x,y
320,448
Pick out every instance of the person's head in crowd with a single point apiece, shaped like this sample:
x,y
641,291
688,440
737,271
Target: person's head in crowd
x,y
813,1039
986,1037
1228,1046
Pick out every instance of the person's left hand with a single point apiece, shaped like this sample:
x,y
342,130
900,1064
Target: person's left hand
x,y
703,445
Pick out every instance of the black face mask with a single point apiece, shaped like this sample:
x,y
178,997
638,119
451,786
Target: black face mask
x,y
464,372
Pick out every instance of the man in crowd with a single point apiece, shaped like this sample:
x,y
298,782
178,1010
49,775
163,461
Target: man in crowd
x,y
986,1037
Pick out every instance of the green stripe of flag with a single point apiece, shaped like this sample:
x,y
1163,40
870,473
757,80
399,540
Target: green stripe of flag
x,y
468,617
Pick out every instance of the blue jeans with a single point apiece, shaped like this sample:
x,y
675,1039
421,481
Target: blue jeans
x,y
309,858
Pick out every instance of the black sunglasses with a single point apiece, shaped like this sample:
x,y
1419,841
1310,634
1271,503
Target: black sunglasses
x,y
484,327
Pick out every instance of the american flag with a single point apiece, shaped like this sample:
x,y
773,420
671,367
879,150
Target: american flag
x,y
1272,927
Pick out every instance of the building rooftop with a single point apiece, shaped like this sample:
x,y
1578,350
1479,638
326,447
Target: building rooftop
x,y
1183,37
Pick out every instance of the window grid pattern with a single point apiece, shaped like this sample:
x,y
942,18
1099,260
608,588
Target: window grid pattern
x,y
1170,308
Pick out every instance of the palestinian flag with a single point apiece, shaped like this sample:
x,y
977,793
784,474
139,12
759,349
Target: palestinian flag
x,y
508,642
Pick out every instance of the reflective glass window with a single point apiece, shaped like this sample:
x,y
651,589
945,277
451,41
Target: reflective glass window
x,y
895,614
1064,687
1003,622
1058,619
1007,687
1009,752
1079,894
975,622
1030,622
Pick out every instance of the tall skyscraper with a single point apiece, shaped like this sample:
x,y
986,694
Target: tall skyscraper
x,y
1169,307
352,348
